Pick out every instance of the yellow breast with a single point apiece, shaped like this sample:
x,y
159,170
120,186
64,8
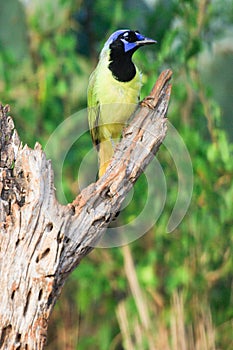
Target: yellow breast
x,y
110,90
117,100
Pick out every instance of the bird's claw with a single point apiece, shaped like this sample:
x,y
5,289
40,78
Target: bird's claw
x,y
148,102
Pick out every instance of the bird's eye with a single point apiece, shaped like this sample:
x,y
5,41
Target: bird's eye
x,y
130,36
126,35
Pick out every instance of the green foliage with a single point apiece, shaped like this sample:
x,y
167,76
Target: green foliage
x,y
195,261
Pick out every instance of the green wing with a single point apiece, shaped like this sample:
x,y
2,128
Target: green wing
x,y
93,110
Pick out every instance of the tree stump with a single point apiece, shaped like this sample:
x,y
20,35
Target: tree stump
x,y
42,241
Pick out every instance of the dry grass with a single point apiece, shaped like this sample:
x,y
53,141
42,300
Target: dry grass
x,y
152,324
150,331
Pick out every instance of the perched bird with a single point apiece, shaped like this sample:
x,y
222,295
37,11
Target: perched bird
x,y
113,91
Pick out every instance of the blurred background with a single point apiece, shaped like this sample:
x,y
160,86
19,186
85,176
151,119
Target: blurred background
x,y
165,291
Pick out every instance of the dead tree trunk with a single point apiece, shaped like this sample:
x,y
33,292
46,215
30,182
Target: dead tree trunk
x,y
41,241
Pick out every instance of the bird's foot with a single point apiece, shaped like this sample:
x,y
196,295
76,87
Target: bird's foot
x,y
148,102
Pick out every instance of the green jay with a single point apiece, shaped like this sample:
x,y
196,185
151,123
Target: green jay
x,y
113,91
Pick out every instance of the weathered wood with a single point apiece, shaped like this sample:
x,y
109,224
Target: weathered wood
x,y
41,241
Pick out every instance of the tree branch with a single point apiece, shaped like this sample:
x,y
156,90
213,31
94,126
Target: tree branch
x,y
41,241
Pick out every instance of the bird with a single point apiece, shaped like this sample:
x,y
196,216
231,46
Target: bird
x,y
113,91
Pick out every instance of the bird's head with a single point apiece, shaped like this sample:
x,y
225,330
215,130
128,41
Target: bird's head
x,y
126,41
119,49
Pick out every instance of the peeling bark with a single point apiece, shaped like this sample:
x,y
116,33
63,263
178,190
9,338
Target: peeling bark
x,y
42,241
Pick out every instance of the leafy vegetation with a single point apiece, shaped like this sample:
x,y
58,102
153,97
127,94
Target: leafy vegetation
x,y
165,290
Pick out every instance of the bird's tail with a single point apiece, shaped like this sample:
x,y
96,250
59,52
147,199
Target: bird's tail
x,y
105,151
